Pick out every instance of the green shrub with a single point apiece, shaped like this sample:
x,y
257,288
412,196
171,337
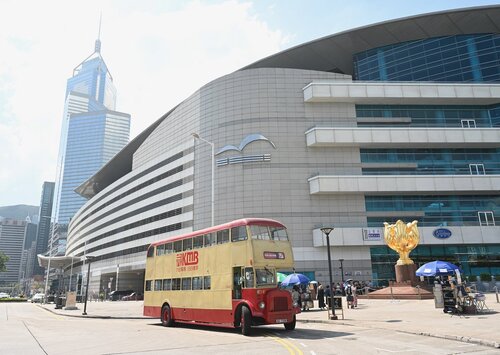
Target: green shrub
x,y
485,277
13,299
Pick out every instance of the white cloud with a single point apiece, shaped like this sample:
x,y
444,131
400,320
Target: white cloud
x,y
157,57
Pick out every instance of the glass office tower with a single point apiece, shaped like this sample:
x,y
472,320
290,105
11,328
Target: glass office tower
x,y
92,133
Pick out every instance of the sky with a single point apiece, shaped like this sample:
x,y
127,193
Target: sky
x,y
159,52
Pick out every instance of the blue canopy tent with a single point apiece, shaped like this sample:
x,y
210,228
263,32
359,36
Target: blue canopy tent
x,y
437,267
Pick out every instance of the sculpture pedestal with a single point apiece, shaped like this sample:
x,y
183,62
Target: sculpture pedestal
x,y
405,273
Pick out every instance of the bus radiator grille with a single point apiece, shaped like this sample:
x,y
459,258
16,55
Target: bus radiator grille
x,y
280,304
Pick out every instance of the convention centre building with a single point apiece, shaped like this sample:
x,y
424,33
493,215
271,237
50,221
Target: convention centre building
x,y
396,120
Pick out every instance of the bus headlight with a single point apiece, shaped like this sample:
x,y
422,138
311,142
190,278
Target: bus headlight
x,y
262,305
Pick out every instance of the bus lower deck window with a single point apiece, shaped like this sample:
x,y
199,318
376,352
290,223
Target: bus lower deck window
x,y
206,283
148,285
158,285
167,284
197,283
176,284
186,283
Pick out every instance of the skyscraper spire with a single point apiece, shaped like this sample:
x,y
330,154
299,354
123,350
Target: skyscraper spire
x,y
98,40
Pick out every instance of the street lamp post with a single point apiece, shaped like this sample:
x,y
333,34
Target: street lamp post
x,y
327,231
342,270
89,260
212,145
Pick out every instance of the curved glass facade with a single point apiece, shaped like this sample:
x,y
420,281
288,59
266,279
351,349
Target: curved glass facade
x,y
452,58
433,211
433,115
485,161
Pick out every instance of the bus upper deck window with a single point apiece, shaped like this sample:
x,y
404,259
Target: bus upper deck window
x,y
160,250
151,251
223,236
169,248
238,233
178,246
187,244
209,239
279,233
198,242
260,232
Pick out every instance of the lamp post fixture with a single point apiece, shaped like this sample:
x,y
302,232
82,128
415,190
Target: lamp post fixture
x,y
327,231
212,145
342,270
89,261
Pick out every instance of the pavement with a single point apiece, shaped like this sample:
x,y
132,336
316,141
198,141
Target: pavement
x,y
408,316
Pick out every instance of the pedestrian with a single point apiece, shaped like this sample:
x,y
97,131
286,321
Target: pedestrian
x,y
296,297
349,294
321,296
328,295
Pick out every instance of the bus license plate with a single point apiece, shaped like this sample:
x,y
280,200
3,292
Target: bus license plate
x,y
281,320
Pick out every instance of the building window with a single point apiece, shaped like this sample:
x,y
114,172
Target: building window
x,y
486,218
476,169
468,123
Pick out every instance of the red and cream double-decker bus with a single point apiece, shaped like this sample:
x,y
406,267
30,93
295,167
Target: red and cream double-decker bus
x,y
223,275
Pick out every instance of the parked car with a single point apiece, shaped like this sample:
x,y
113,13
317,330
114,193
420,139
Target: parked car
x,y
117,295
4,295
134,296
38,298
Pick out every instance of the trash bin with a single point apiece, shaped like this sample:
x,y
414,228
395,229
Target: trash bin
x,y
60,302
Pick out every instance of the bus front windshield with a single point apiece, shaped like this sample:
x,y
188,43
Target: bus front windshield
x,y
265,277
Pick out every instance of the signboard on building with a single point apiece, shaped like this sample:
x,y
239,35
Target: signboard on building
x,y
442,233
372,234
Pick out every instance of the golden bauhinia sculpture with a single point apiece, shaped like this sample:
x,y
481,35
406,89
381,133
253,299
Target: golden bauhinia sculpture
x,y
403,238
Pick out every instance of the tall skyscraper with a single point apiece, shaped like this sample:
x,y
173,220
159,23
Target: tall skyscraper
x,y
92,133
12,233
43,231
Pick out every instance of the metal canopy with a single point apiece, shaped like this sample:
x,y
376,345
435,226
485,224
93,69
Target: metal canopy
x,y
58,262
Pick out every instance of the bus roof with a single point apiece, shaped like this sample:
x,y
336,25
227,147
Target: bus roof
x,y
235,223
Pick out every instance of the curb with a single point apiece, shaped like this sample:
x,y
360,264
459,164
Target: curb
x,y
463,339
90,316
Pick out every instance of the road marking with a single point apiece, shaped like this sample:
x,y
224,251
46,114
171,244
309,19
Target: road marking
x,y
292,349
304,345
313,353
40,345
396,351
464,346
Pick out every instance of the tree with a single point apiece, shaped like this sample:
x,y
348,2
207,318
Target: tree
x,y
3,260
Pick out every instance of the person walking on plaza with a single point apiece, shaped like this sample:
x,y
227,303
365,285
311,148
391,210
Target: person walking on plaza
x,y
328,295
321,296
349,294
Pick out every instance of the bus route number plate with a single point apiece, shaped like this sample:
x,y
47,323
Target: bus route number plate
x,y
281,320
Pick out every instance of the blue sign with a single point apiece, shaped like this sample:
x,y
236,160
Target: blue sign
x,y
442,233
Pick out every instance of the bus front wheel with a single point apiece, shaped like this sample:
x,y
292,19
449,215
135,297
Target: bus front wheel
x,y
291,325
166,316
246,321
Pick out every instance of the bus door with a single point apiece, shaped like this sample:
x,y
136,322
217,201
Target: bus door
x,y
237,282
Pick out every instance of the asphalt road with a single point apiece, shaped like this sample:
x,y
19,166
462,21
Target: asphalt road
x,y
27,329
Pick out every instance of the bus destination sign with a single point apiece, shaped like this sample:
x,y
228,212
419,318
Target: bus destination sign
x,y
274,255
187,261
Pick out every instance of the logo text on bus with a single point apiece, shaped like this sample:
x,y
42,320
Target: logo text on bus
x,y
187,261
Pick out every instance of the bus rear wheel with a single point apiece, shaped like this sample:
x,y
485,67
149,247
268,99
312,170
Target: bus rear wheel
x,y
291,325
246,321
166,316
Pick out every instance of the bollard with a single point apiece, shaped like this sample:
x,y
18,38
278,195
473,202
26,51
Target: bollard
x,y
418,291
496,292
392,296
